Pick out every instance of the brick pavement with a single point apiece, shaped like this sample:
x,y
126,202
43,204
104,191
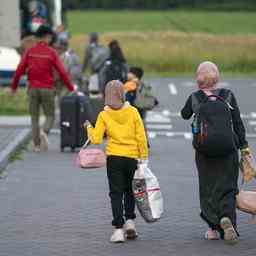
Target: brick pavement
x,y
50,207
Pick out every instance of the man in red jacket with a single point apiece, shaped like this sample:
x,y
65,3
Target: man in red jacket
x,y
39,63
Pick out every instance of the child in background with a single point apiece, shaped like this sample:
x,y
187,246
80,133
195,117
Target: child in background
x,y
131,87
133,82
126,144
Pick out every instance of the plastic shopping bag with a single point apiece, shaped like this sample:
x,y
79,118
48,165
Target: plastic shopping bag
x,y
147,194
248,167
246,202
94,83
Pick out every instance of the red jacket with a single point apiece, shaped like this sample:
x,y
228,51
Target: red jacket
x,y
39,62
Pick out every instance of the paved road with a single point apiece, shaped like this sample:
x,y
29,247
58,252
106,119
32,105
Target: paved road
x,y
49,207
165,121
7,135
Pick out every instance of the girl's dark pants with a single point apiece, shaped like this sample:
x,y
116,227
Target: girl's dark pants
x,y
120,171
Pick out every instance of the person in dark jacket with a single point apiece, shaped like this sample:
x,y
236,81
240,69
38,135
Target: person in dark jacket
x,y
218,176
115,68
39,62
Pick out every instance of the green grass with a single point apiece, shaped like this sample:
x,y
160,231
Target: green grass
x,y
15,156
170,43
13,104
173,42
189,21
179,53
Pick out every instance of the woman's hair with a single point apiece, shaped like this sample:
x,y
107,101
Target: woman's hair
x,y
116,51
207,75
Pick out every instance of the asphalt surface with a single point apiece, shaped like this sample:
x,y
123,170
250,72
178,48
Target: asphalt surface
x,y
51,207
7,135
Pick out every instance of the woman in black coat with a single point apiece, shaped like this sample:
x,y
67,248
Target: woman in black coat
x,y
218,176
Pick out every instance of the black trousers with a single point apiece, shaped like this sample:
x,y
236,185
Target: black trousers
x,y
218,188
120,171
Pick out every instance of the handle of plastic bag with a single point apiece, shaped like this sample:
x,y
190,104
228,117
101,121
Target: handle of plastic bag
x,y
86,144
141,167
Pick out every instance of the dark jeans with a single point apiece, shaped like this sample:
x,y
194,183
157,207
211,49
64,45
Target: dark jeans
x,y
120,171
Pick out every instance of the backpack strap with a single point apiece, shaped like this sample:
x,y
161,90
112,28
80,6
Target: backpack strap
x,y
227,96
197,98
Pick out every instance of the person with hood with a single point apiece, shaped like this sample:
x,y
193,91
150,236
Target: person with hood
x,y
218,175
124,150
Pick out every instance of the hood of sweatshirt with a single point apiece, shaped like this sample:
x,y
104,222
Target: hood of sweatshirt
x,y
120,115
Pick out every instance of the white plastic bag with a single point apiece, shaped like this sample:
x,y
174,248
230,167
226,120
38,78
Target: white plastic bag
x,y
147,194
94,83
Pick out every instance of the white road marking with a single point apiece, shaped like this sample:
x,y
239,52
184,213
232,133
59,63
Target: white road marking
x,y
188,136
156,117
194,84
159,126
252,123
251,115
166,112
251,135
185,135
172,89
223,84
175,114
189,84
248,116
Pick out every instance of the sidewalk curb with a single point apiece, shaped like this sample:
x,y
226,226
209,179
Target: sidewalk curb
x,y
22,137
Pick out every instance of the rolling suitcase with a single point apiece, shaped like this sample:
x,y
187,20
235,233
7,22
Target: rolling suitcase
x,y
74,111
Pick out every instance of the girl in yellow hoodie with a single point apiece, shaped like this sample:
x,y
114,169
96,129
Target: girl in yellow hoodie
x,y
126,145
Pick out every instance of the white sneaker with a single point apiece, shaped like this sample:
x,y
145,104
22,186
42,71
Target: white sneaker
x,y
230,235
36,149
130,230
211,234
44,143
117,236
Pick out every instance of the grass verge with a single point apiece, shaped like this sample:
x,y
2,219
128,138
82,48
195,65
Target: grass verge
x,y
16,156
173,42
172,52
188,21
13,104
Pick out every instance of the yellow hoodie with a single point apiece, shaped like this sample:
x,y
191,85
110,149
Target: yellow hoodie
x,y
125,132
